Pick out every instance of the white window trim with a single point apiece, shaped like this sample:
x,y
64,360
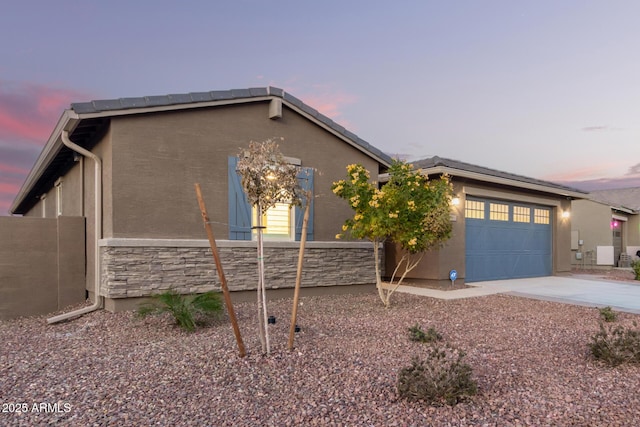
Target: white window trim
x,y
58,185
43,199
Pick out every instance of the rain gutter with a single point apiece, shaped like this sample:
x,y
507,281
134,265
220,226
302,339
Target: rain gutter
x,y
98,299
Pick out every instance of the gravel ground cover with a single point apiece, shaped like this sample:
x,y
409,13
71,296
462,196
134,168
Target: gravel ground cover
x,y
618,274
529,357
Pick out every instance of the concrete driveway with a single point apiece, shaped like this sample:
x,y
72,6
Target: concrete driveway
x,y
622,296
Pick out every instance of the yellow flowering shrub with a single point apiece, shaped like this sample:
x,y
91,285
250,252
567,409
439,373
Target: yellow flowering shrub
x,y
410,209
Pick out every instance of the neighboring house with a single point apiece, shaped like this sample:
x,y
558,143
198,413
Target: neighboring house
x,y
129,166
606,228
504,226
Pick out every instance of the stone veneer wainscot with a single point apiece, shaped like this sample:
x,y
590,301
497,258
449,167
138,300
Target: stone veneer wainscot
x,y
142,267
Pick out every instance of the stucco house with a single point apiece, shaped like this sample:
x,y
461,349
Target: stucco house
x,y
606,228
504,226
128,166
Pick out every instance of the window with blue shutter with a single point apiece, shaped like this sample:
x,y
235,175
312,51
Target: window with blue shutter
x,y
239,207
240,212
305,179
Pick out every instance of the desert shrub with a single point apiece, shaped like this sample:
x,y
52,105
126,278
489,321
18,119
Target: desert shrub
x,y
636,268
607,314
616,345
189,311
417,334
442,377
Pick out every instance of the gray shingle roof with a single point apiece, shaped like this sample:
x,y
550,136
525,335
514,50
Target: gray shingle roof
x,y
107,105
468,167
622,197
103,105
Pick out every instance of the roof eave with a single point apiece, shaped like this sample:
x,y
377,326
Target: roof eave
x,y
67,121
503,181
623,209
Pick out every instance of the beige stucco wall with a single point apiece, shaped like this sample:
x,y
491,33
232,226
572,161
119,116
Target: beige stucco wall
x,y
633,230
591,220
72,188
562,239
157,158
35,211
42,268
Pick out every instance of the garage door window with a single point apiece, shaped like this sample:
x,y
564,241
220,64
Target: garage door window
x,y
498,212
521,214
474,209
541,216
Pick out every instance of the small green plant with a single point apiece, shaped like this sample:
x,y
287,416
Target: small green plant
x,y
441,378
189,311
417,334
616,345
607,314
636,268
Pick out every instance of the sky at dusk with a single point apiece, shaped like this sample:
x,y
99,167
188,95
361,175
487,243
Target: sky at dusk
x,y
546,89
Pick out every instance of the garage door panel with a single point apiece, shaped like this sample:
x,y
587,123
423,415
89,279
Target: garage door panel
x,y
476,237
502,249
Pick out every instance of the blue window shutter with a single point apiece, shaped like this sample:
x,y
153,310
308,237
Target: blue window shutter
x,y
239,208
305,179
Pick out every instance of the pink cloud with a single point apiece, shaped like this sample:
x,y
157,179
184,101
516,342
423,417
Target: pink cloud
x,y
12,126
28,112
5,168
326,99
600,170
5,205
583,173
8,188
330,104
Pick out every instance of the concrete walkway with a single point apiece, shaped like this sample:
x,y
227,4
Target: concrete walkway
x,y
579,290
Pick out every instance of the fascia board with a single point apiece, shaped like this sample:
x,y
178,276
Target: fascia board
x,y
172,107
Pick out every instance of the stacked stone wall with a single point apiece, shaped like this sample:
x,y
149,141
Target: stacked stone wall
x,y
139,267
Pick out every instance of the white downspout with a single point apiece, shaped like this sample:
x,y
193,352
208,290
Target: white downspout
x,y
98,300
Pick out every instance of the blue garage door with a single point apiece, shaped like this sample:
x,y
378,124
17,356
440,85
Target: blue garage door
x,y
506,240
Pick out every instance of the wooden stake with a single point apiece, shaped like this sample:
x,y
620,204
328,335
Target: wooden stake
x,y
296,292
223,280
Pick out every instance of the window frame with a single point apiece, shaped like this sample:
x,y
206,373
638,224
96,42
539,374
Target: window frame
x,y
496,213
291,234
474,209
